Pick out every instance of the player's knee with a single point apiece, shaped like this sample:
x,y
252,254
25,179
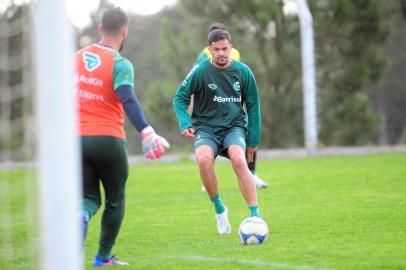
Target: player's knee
x,y
204,161
119,204
239,164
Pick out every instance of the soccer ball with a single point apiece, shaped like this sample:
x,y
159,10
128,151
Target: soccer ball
x,y
253,230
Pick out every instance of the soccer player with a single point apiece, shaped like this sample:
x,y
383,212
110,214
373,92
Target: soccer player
x,y
234,55
105,90
219,124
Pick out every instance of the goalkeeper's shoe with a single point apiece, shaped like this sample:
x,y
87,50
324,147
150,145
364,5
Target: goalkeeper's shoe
x,y
98,262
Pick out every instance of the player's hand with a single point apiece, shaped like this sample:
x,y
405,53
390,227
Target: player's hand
x,y
250,154
189,133
153,145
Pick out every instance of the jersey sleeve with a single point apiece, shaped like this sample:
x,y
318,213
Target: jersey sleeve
x,y
253,109
182,98
123,73
132,107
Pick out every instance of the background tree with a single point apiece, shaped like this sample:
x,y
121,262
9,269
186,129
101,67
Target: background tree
x,y
349,38
349,42
360,67
357,45
389,94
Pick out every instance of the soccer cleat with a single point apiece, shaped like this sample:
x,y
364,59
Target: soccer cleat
x,y
223,225
98,262
259,182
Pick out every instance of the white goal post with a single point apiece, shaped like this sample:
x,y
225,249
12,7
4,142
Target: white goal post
x,y
58,160
309,76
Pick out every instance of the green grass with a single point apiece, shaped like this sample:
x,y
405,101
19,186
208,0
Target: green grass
x,y
323,213
18,220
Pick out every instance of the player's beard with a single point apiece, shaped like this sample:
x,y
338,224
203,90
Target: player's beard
x,y
222,61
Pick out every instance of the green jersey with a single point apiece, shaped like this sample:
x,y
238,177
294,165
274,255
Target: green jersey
x,y
219,96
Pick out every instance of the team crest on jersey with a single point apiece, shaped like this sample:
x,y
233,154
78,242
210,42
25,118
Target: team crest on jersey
x,y
237,86
91,60
212,86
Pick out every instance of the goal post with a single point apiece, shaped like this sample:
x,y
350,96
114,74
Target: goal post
x,y
308,75
58,150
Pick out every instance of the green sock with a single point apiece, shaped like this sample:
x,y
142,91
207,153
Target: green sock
x,y
218,204
90,206
254,211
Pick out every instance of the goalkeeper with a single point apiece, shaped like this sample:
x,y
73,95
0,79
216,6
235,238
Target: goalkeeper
x,y
235,55
105,90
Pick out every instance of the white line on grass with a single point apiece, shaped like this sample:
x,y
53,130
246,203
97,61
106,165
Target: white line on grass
x,y
241,261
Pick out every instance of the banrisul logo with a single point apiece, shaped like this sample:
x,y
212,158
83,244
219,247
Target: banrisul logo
x,y
212,86
91,60
237,86
226,99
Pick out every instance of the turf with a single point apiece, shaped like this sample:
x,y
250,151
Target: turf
x,y
346,212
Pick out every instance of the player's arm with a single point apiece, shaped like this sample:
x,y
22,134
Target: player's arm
x,y
132,107
253,110
123,77
203,55
181,100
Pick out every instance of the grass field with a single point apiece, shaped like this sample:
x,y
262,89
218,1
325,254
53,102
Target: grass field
x,y
323,213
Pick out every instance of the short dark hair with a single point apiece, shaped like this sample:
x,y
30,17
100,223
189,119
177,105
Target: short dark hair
x,y
113,20
217,35
217,25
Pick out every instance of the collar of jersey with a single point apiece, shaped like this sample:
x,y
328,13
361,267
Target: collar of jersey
x,y
102,46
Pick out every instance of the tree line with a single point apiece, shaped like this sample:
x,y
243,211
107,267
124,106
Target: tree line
x,y
360,65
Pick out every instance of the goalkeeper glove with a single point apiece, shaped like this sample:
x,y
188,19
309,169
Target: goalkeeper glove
x,y
153,145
